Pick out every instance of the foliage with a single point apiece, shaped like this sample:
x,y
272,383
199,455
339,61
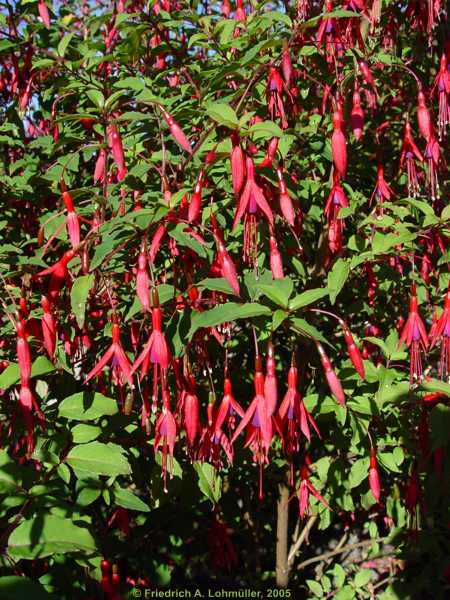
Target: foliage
x,y
243,199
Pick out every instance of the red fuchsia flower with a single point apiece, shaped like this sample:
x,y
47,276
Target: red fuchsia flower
x,y
353,351
339,144
115,145
274,97
72,221
270,153
276,264
176,131
226,8
442,86
213,441
99,171
221,549
357,115
23,352
332,379
382,189
423,117
226,265
27,403
432,156
286,206
121,518
165,435
306,488
116,354
196,200
142,280
258,422
156,242
441,332
155,351
409,154
335,201
228,409
270,382
286,63
374,480
43,13
48,327
251,199
294,418
415,336
188,407
329,33
59,273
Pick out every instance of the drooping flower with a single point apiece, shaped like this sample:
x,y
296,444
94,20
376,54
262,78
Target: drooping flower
x,y
339,144
441,332
165,436
259,424
374,480
116,354
332,379
409,154
306,488
442,86
415,336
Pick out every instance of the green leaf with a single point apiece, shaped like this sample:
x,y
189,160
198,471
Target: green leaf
x,y
337,278
223,114
88,495
363,577
45,535
64,43
14,587
231,311
87,406
388,461
216,284
265,130
307,330
11,375
127,499
96,458
358,472
96,97
308,297
208,481
81,433
315,587
279,291
79,295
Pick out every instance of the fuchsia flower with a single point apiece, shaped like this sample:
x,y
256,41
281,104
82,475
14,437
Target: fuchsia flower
x,y
442,86
142,280
335,201
441,332
270,381
228,409
339,144
115,144
415,336
165,435
332,378
353,351
155,351
374,480
276,264
59,273
116,354
72,221
423,117
286,206
237,160
196,200
432,156
176,131
43,13
306,488
259,423
274,94
294,418
357,115
382,189
409,154
48,327
99,171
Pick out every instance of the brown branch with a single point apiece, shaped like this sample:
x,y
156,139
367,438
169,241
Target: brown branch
x,y
302,537
282,567
346,548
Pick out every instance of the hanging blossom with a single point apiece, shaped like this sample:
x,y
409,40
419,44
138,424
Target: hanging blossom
x,y
408,156
415,336
440,331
